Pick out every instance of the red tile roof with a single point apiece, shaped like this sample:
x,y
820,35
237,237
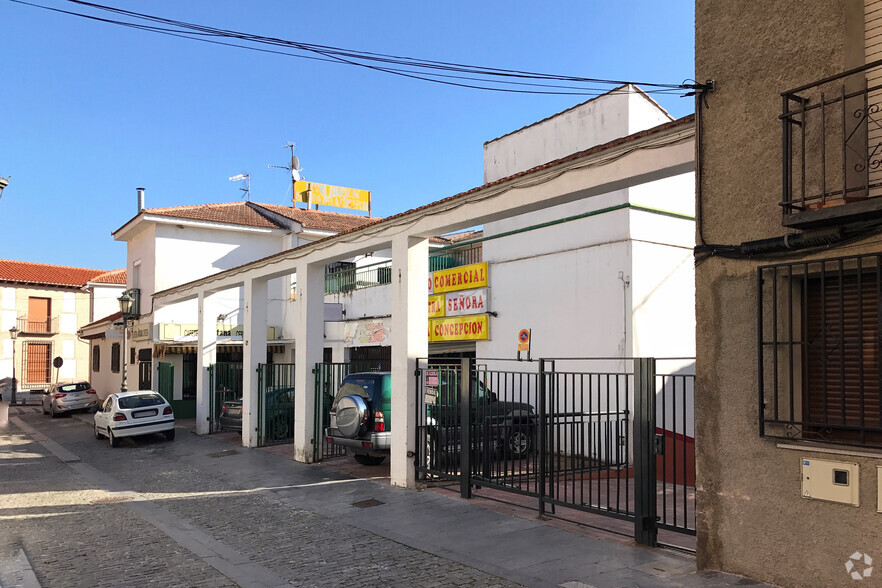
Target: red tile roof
x,y
321,220
111,318
254,214
117,276
235,213
27,272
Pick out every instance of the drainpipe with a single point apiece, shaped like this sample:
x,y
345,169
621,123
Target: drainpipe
x,y
626,281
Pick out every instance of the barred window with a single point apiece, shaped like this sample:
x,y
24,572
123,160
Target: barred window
x,y
96,358
819,350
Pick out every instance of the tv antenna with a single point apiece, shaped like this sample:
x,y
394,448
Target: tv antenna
x,y
293,168
247,188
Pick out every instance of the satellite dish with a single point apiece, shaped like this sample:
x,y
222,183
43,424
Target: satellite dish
x,y
295,163
295,174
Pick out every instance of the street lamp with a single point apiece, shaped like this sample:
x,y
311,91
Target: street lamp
x,y
125,308
13,334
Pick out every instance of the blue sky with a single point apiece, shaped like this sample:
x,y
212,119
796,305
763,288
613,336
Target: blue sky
x,y
91,111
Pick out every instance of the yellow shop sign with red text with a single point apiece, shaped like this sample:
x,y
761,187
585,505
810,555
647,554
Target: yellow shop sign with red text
x,y
466,277
436,306
460,328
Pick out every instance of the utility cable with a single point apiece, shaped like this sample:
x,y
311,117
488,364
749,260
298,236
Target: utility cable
x,y
485,78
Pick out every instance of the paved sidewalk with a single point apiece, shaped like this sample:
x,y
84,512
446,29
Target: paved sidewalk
x,y
519,550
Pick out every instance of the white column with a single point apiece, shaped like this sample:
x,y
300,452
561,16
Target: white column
x,y
310,340
206,355
253,354
410,315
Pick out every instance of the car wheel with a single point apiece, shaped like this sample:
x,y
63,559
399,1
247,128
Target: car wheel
x,y
169,435
97,434
280,429
114,442
369,460
519,443
44,409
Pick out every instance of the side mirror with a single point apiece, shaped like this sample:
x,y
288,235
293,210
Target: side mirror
x,y
493,397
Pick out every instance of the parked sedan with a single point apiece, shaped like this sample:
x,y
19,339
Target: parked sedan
x,y
278,414
67,397
130,414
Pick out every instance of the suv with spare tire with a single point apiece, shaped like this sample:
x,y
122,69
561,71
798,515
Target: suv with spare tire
x,y
360,416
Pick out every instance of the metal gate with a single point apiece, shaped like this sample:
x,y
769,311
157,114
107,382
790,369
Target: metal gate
x,y
166,376
328,378
605,436
275,404
225,383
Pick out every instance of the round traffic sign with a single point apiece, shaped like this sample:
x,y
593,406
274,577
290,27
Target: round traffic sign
x,y
524,336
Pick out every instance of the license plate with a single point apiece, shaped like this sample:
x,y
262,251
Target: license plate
x,y
139,414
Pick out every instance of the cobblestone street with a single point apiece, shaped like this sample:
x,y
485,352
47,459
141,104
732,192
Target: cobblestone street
x,y
202,511
144,514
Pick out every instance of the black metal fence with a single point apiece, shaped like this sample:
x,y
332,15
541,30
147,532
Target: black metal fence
x,y
605,436
225,385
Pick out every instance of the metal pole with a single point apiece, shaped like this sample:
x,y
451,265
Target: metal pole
x,y
122,387
645,524
13,402
465,418
540,437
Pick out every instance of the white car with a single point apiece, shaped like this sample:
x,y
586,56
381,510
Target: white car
x,y
129,414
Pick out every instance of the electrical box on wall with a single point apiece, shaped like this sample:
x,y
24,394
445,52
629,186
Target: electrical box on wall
x,y
834,481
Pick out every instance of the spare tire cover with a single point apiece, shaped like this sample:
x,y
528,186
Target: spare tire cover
x,y
351,411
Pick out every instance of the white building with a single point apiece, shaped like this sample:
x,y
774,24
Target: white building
x,y
47,304
170,246
590,248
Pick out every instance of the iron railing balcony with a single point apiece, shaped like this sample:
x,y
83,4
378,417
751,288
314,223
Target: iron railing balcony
x,y
832,149
378,274
43,326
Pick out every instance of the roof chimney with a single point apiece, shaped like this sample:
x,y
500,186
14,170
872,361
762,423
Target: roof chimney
x,y
140,199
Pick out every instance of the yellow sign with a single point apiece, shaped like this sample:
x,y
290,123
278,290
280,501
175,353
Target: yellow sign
x,y
315,193
436,306
460,328
460,278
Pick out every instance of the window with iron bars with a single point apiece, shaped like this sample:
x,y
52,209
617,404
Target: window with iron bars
x,y
819,350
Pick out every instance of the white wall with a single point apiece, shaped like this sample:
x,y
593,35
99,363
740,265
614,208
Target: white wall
x,y
674,194
141,247
592,123
104,300
572,301
185,253
104,381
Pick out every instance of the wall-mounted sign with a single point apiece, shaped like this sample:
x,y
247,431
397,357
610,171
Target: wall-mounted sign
x,y
315,193
465,277
436,306
141,332
466,302
524,340
460,328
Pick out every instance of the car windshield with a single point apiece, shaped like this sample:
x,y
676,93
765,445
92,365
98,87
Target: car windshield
x,y
141,400
77,387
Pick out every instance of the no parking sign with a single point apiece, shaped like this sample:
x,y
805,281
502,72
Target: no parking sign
x,y
524,340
